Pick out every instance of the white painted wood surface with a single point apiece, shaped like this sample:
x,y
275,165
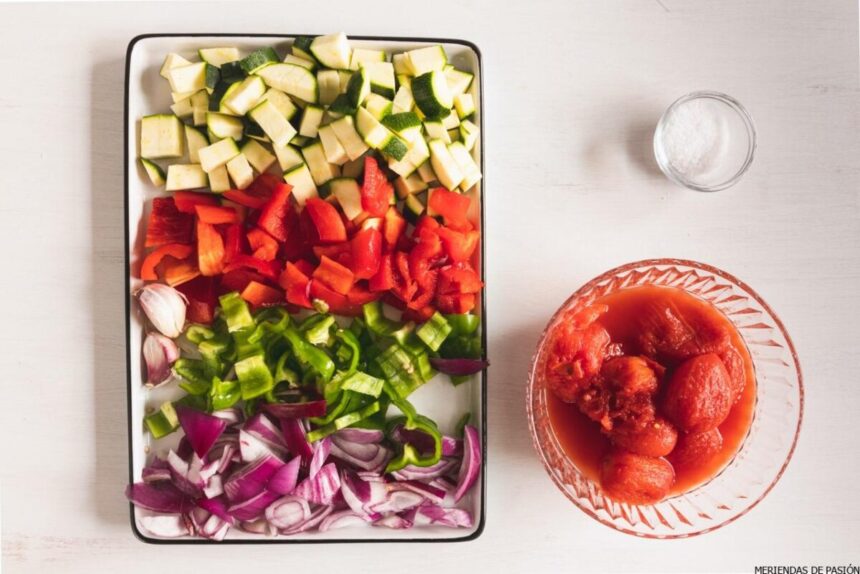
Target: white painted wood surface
x,y
573,90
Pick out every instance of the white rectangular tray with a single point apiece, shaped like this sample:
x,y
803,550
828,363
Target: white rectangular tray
x,y
147,93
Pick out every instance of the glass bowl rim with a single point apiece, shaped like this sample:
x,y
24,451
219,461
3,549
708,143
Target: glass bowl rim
x,y
619,270
735,105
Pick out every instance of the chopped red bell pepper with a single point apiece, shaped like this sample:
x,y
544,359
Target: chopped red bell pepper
x,y
263,185
366,250
334,275
418,315
167,224
376,191
326,220
384,278
358,295
296,284
238,279
456,303
393,227
232,242
241,210
305,266
242,197
424,255
426,289
263,245
452,206
458,278
210,249
340,252
404,285
148,270
297,245
186,201
269,269
177,272
202,299
338,303
260,295
215,214
425,222
459,245
273,214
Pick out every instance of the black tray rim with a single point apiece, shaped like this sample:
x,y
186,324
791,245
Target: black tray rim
x,y
128,296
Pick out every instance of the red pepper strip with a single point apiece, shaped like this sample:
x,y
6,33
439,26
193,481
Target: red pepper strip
x,y
450,205
418,315
216,215
338,304
425,222
242,197
384,278
459,303
264,185
297,245
393,227
458,278
167,224
238,279
241,210
296,283
270,269
151,261
405,287
210,249
202,299
376,191
459,246
336,251
426,252
178,272
366,247
305,266
426,290
358,295
260,295
186,201
263,245
232,242
326,220
273,214
334,275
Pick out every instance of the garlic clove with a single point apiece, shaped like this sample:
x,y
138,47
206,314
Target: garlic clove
x,y
164,306
159,354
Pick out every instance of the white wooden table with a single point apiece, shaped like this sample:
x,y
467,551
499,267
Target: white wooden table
x,y
573,90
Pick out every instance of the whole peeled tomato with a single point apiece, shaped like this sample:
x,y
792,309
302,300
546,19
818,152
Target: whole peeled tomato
x,y
734,364
670,335
577,348
657,438
698,396
635,479
630,375
696,449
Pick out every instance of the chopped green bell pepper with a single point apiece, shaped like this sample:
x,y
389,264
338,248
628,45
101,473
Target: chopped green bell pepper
x,y
163,421
434,331
254,376
235,312
224,394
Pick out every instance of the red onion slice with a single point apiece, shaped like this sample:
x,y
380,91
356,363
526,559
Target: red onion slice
x,y
288,512
459,367
165,525
341,519
322,487
285,478
394,521
470,468
163,497
296,410
201,429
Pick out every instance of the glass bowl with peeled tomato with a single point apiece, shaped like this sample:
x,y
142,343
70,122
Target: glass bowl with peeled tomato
x,y
665,398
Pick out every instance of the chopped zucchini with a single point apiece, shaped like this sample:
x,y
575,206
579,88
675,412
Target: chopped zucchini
x,y
381,75
182,108
334,151
436,131
432,95
178,97
418,152
254,131
311,119
224,126
344,129
469,134
393,147
219,179
302,47
320,169
426,173
402,65
465,105
446,167
188,78
471,171
221,88
232,72
291,79
240,171
189,176
258,156
406,186
344,76
378,106
195,140
405,124
217,154
281,101
332,51
412,209
402,167
200,100
259,59
303,184
353,168
451,121
246,95
362,56
342,106
329,86
155,173
172,61
293,59
288,157
232,89
213,76
373,132
358,87
218,56
429,59
161,136
348,195
276,126
458,81
403,100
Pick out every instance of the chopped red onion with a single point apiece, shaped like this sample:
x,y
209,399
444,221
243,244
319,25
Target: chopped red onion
x,y
459,367
250,480
216,506
322,487
431,493
231,416
201,429
340,519
186,476
165,525
296,410
394,521
295,438
288,512
254,507
321,450
398,501
161,497
359,435
453,517
260,526
158,470
452,446
470,467
315,518
263,428
412,472
285,478
214,528
214,487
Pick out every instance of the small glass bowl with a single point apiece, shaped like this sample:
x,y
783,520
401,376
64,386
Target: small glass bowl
x,y
737,147
765,451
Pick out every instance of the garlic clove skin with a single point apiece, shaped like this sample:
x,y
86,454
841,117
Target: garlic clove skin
x,y
159,354
164,306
